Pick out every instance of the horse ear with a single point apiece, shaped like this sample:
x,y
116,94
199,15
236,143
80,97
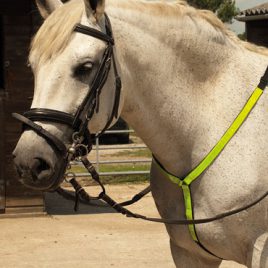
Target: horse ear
x,y
95,7
46,7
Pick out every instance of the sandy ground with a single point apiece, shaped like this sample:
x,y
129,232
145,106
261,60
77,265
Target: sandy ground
x,y
95,237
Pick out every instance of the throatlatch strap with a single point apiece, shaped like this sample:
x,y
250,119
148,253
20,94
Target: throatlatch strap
x,y
210,158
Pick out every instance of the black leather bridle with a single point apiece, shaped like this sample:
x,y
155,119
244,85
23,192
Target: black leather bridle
x,y
79,122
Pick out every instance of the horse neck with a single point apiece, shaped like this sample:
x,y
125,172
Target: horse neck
x,y
170,75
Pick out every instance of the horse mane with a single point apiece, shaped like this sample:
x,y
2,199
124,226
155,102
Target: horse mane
x,y
48,42
181,7
211,18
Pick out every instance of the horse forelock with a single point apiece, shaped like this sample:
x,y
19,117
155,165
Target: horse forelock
x,y
57,30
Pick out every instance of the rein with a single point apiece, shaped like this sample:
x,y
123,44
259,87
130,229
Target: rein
x,y
82,196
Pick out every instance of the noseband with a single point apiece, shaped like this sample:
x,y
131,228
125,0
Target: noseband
x,y
79,121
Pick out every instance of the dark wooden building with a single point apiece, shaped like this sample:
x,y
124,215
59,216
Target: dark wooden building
x,y
19,20
256,20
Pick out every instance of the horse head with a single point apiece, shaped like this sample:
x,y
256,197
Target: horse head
x,y
74,66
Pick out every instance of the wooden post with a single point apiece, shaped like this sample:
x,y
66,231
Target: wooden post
x,y
18,28
2,158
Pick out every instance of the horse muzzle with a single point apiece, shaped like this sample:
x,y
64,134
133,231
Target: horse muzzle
x,y
38,174
38,165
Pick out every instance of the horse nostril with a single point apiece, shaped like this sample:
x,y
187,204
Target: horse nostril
x,y
19,171
43,165
40,169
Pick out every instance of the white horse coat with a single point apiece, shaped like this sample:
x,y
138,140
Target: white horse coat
x,y
185,79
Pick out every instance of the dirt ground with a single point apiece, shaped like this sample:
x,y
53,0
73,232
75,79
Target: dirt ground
x,y
94,237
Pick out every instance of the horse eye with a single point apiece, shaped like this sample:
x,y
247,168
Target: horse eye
x,y
83,69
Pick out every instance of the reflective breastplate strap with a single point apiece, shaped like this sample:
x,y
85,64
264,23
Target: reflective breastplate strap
x,y
208,160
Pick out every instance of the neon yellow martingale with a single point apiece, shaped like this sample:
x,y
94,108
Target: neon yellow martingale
x,y
211,156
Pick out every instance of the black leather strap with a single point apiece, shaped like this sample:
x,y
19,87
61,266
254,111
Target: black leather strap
x,y
41,114
115,109
51,139
118,206
94,33
264,80
91,101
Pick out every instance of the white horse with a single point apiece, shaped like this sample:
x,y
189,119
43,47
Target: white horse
x,y
185,78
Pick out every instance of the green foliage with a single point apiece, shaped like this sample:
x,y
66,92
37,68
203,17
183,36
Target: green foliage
x,y
243,36
144,153
115,168
115,179
225,9
132,179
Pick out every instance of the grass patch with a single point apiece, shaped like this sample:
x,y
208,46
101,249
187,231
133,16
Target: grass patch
x,y
135,153
126,179
118,179
114,168
132,179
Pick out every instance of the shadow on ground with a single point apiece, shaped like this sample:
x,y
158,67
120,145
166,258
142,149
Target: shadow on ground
x,y
57,205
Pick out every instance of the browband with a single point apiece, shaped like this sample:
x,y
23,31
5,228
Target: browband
x,y
94,33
